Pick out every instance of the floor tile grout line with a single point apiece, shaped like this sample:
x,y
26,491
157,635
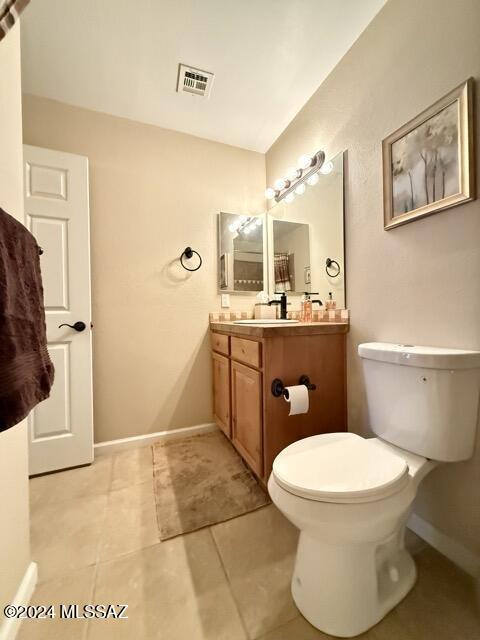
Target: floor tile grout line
x,y
224,569
127,554
112,459
155,504
58,474
92,601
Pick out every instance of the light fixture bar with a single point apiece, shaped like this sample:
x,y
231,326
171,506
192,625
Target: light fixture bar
x,y
317,161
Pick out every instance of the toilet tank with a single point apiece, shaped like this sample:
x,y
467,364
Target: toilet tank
x,y
423,399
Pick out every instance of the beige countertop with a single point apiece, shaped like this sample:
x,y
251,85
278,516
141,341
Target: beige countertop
x,y
270,331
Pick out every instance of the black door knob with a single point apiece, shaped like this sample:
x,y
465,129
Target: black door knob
x,y
78,326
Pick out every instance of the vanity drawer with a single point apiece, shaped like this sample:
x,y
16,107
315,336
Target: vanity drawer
x,y
247,351
220,343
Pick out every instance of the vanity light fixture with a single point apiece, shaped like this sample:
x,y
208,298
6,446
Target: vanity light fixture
x,y
327,167
294,183
245,224
300,189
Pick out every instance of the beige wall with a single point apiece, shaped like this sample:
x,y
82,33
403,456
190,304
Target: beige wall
x,y
14,521
419,283
152,193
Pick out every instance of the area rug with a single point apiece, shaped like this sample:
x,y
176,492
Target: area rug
x,y
199,481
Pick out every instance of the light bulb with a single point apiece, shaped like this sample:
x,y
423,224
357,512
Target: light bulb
x,y
242,219
292,174
232,228
279,184
313,179
258,222
300,188
246,230
327,167
270,193
304,161
290,197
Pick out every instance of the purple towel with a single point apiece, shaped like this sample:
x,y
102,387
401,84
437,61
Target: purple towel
x,y
26,371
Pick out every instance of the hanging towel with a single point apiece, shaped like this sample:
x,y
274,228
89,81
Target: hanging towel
x,y
26,371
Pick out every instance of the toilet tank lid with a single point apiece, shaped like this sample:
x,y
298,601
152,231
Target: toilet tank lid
x,y
415,356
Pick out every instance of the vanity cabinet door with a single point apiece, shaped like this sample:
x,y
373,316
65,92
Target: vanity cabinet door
x,y
247,415
221,392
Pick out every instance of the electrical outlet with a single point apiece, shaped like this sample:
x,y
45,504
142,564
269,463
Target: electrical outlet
x,y
225,300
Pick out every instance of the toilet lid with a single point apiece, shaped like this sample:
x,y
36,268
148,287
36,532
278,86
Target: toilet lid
x,y
339,467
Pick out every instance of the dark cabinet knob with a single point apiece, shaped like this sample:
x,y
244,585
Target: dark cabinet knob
x,y
78,326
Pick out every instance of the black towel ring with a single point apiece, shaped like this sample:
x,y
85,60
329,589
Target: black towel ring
x,y
329,263
188,253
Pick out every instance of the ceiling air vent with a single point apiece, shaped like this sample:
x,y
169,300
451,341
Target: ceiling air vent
x,y
196,81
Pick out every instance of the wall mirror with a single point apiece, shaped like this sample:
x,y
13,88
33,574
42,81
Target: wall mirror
x,y
291,256
306,233
241,243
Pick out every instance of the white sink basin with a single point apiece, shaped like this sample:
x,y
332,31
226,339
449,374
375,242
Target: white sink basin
x,y
263,321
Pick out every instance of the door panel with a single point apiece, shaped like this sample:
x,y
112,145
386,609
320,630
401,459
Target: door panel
x,y
51,235
52,417
221,392
247,414
57,213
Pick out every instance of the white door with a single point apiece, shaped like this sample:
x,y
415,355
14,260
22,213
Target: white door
x,y
57,213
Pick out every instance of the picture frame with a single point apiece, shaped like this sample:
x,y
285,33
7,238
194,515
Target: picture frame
x,y
428,163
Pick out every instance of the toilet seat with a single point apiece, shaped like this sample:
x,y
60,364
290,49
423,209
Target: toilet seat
x,y
340,467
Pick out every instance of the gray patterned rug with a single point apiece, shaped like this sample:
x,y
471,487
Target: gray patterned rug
x,y
200,481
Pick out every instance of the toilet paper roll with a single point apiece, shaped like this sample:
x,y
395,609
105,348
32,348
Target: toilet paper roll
x,y
297,397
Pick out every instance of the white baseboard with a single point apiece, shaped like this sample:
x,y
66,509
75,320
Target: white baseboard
x,y
114,446
453,550
10,626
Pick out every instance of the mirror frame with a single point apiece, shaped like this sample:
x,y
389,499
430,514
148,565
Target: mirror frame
x,y
266,283
269,223
268,244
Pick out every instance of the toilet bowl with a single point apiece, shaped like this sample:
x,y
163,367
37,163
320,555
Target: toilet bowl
x,y
350,497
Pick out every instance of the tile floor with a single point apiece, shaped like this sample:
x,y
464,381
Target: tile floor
x,y
95,538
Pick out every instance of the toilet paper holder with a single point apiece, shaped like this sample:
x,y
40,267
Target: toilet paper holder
x,y
279,389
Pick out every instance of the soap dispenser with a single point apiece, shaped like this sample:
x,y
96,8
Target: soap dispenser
x,y
331,304
306,312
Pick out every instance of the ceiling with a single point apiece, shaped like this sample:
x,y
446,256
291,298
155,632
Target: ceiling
x,y
121,58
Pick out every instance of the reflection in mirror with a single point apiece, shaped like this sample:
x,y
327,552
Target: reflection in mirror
x,y
241,265
307,231
291,256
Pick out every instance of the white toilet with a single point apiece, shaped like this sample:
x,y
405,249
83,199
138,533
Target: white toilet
x,y
351,497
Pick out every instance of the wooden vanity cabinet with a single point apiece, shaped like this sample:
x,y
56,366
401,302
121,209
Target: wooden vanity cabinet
x,y
244,366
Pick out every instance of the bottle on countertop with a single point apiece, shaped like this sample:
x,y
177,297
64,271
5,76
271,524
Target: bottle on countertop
x,y
330,304
306,306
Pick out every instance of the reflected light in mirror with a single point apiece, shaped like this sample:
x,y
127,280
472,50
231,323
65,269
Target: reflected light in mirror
x,y
270,193
327,167
300,189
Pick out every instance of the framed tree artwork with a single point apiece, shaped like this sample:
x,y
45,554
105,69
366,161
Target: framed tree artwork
x,y
428,164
